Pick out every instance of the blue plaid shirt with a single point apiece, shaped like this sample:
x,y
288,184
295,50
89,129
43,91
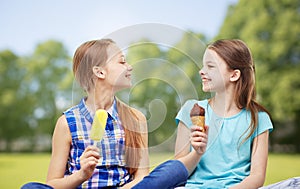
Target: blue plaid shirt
x,y
110,171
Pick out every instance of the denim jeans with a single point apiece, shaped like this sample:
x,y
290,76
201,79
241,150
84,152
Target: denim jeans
x,y
35,185
167,175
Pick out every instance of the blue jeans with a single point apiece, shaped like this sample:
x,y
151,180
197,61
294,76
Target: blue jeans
x,y
36,185
167,175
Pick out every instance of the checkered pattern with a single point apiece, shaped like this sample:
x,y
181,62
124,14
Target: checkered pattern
x,y
110,170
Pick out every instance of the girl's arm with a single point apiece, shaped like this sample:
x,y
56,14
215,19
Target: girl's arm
x,y
61,143
186,138
259,160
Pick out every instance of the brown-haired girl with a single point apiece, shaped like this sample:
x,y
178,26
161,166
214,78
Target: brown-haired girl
x,y
237,147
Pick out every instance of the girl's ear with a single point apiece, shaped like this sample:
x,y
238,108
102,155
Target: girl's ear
x,y
236,74
99,72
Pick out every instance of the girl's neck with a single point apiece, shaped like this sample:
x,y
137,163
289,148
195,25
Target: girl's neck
x,y
99,100
224,105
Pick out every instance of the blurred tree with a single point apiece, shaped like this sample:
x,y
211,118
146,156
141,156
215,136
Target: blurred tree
x,y
33,89
272,31
13,101
188,54
164,79
47,69
145,56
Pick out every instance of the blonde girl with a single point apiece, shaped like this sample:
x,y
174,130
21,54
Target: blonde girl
x,y
101,70
121,161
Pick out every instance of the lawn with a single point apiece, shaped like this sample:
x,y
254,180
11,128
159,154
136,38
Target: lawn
x,y
17,169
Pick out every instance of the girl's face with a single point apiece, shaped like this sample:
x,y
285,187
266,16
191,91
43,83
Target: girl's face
x,y
215,73
118,70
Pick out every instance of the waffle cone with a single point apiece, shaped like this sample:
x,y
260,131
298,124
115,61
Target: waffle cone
x,y
199,121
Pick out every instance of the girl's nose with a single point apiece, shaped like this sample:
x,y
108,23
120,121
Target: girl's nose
x,y
201,71
129,67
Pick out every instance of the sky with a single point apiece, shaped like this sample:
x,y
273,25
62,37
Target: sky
x,y
24,24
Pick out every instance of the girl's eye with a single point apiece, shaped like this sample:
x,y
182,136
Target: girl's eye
x,y
210,66
122,60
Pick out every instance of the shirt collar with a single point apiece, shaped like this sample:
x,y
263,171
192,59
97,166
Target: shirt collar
x,y
90,116
84,110
113,110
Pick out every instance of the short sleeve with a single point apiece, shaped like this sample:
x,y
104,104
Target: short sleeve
x,y
264,123
184,113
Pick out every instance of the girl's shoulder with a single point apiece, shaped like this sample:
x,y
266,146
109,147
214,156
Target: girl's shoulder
x,y
71,109
263,114
62,128
75,108
265,119
184,113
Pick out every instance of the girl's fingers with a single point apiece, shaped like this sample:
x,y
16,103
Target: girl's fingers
x,y
196,135
198,144
88,162
90,155
91,151
199,139
92,148
206,129
197,128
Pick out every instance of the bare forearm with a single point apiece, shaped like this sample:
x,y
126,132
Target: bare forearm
x,y
190,161
259,159
251,182
72,181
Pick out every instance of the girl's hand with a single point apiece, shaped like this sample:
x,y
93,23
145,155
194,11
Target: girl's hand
x,y
199,139
88,161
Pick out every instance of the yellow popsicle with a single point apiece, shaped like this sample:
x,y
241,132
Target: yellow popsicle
x,y
99,124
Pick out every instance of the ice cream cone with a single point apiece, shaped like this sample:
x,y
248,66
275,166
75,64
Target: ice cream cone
x,y
199,121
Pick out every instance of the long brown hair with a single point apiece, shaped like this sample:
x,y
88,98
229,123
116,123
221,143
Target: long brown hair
x,y
94,53
237,55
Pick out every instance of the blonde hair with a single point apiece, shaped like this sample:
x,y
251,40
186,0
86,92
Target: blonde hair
x,y
134,124
89,54
94,53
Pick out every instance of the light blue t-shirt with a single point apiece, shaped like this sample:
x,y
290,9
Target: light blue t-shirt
x,y
227,160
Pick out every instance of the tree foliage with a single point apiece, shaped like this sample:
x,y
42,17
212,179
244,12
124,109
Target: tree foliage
x,y
29,92
271,29
13,103
164,79
35,88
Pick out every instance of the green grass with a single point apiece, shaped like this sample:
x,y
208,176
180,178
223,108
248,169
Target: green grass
x,y
17,169
281,167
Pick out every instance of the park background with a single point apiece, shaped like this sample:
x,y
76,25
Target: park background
x,y
37,85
